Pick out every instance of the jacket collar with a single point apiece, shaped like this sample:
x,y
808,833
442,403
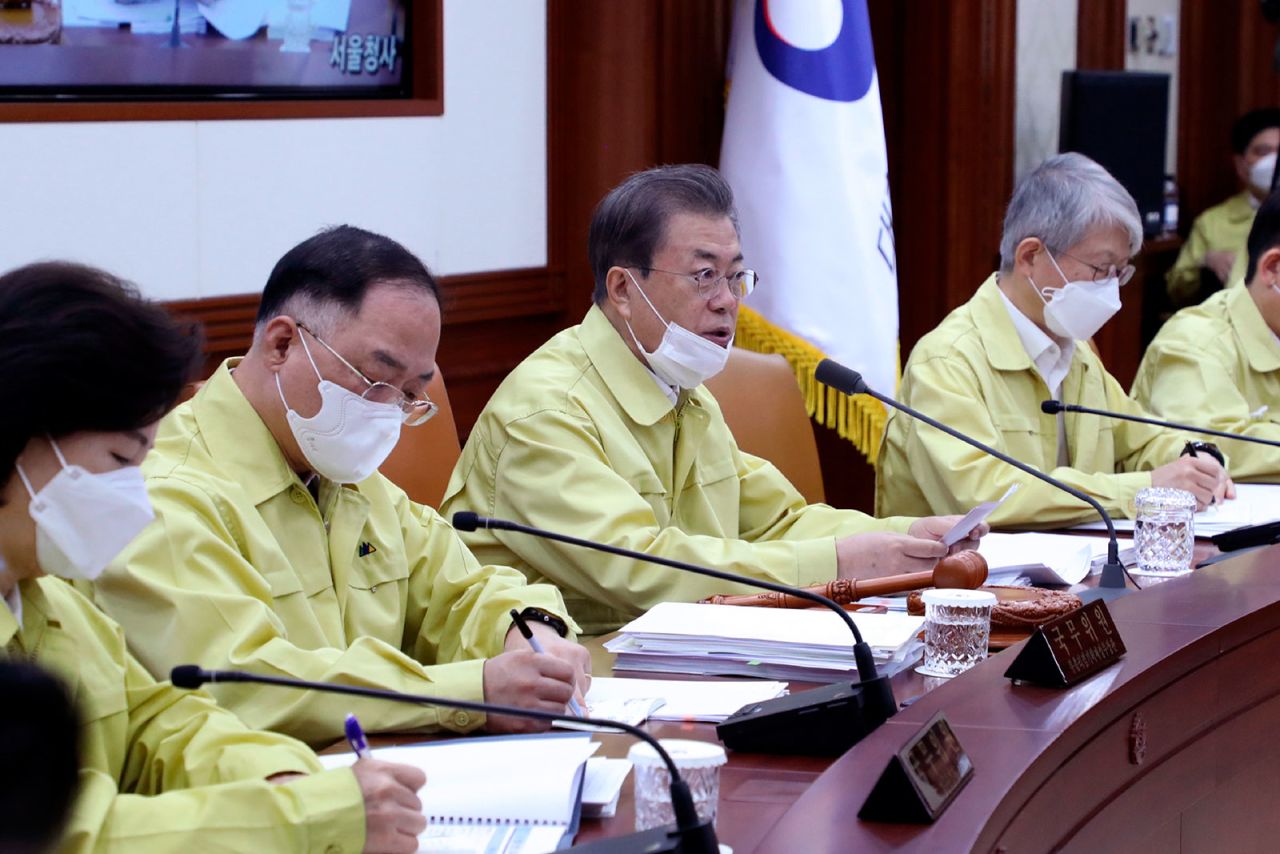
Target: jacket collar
x,y
1000,337
36,616
623,374
1259,342
1239,208
237,438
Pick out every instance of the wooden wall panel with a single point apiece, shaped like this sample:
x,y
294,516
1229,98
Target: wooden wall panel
x,y
1225,69
947,82
1100,34
632,85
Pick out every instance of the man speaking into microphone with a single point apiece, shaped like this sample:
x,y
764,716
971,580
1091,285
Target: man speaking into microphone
x,y
1069,235
607,433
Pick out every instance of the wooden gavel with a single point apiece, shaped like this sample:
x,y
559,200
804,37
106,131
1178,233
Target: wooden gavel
x,y
966,570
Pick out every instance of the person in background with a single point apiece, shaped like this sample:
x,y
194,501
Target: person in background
x,y
42,739
1217,364
606,431
1069,234
278,546
1217,239
88,369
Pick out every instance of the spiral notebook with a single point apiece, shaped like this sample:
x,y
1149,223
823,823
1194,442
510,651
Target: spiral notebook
x,y
497,795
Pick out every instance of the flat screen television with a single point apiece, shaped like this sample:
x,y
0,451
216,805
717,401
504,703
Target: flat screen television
x,y
167,50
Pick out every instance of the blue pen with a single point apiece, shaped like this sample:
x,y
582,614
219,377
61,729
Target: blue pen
x,y
537,647
355,737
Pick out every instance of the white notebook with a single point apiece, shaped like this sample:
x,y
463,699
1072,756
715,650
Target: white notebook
x,y
473,784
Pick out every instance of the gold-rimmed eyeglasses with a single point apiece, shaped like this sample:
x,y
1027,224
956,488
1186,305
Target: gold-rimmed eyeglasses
x,y
1101,274
413,410
706,282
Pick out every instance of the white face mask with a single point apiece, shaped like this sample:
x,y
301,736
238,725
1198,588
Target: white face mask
x,y
84,520
1261,173
349,437
1078,310
683,358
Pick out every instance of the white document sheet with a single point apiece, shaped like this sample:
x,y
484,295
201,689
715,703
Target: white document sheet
x,y
975,517
1043,558
603,786
685,699
1254,504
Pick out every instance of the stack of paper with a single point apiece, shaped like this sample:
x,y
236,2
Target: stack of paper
x,y
771,643
1042,558
473,801
680,699
1254,504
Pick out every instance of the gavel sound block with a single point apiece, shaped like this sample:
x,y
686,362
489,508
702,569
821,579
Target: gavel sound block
x,y
966,570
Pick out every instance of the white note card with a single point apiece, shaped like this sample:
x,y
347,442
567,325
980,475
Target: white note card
x,y
975,517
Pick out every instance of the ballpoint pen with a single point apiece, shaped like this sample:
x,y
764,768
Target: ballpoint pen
x,y
355,737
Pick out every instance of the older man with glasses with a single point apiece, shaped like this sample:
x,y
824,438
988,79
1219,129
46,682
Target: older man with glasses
x,y
1069,234
606,431
280,549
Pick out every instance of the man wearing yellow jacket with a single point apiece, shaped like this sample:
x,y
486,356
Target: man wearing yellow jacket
x,y
159,769
1069,234
606,431
279,548
1218,364
1217,238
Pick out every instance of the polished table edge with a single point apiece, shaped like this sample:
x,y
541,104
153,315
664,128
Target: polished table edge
x,y
1171,630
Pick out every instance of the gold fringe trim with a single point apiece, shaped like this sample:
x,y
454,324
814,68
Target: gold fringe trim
x,y
860,418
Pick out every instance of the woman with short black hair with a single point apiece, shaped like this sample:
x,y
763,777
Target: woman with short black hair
x,y
86,369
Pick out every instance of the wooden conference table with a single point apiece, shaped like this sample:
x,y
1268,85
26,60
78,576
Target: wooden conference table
x,y
1174,748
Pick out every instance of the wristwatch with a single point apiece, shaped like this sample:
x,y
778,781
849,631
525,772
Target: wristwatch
x,y
1193,448
536,614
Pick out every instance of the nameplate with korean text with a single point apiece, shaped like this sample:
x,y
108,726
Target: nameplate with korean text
x,y
1069,648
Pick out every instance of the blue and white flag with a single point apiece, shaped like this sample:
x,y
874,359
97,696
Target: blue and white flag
x,y
804,152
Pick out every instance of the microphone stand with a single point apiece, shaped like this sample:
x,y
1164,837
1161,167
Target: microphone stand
x,y
691,835
1110,586
1053,407
820,721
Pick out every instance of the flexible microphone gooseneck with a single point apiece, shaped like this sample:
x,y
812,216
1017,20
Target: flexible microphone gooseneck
x,y
769,726
1110,586
465,520
1053,407
691,835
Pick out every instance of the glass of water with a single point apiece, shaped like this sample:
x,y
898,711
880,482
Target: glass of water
x,y
1164,531
699,763
957,628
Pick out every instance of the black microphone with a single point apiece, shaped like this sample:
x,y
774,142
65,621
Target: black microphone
x,y
1110,586
691,835
1053,407
823,721
1243,537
